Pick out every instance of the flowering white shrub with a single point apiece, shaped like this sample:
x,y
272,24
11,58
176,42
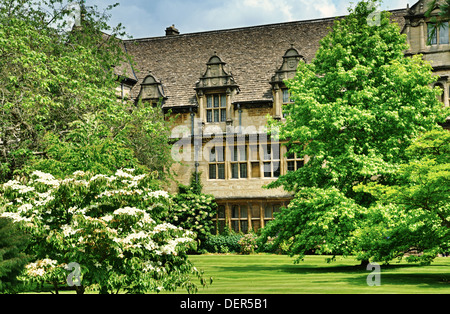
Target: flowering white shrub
x,y
112,226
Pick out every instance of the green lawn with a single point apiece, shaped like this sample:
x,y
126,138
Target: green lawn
x,y
275,274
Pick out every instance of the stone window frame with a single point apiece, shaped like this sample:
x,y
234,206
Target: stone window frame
x,y
211,108
240,218
246,215
239,160
270,159
218,164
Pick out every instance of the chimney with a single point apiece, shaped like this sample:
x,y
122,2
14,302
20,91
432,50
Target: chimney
x,y
172,31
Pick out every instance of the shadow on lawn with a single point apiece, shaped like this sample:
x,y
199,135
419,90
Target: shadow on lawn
x,y
390,274
307,269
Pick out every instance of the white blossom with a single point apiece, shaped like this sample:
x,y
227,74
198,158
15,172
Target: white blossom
x,y
16,217
158,194
132,211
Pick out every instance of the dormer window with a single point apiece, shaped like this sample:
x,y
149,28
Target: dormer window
x,y
287,71
215,90
152,91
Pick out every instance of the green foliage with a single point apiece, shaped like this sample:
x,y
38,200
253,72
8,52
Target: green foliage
x,y
223,243
13,242
358,106
316,220
49,79
193,210
89,147
114,227
356,109
414,213
58,103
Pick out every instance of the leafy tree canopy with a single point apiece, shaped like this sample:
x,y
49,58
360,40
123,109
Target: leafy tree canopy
x,y
356,109
358,105
54,82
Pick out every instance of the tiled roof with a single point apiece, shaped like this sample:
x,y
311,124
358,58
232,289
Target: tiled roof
x,y
252,55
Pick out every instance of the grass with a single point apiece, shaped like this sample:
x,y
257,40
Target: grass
x,y
276,274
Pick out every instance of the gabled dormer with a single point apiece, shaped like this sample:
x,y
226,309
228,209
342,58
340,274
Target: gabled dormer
x,y
215,76
215,91
152,91
287,71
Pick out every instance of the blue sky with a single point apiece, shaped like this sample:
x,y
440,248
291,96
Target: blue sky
x,y
149,18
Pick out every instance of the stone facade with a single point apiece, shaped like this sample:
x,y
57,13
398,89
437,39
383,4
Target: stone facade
x,y
435,47
222,85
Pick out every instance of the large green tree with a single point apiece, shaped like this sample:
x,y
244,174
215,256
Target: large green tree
x,y
414,214
356,108
55,80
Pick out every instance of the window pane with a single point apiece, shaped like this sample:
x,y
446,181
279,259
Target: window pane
x,y
235,211
268,211
256,224
209,101
291,166
443,34
221,226
289,154
254,152
432,36
267,150
244,174
223,101
267,170
286,96
234,153
255,211
244,226
212,172
209,116
216,101
220,154
300,164
242,153
235,171
244,212
221,211
221,171
223,115
235,225
216,116
212,155
276,169
275,151
277,208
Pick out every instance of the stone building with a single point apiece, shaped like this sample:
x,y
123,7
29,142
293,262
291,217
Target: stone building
x,y
222,85
433,43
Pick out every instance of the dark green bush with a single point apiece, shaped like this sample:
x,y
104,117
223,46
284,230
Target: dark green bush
x,y
222,243
13,242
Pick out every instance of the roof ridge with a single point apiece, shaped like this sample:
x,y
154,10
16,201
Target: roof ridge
x,y
237,29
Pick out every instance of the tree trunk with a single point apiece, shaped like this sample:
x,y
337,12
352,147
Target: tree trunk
x,y
364,264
